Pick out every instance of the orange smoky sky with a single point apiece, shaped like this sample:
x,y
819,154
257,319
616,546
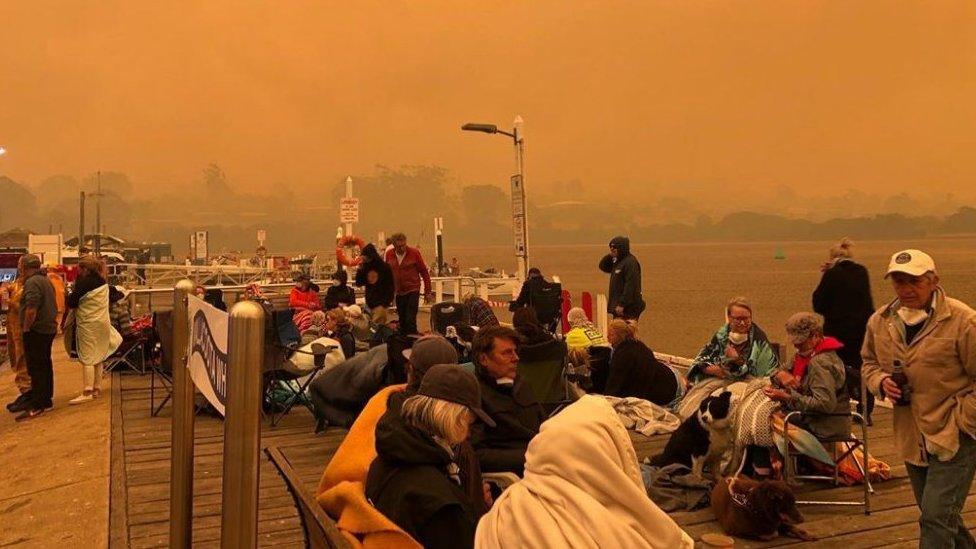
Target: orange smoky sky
x,y
646,97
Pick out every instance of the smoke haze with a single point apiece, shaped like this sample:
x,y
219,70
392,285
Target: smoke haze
x,y
650,98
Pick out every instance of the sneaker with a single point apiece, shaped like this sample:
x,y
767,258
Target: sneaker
x,y
82,398
29,414
17,404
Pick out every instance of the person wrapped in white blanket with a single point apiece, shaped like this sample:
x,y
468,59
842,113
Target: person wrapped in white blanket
x,y
582,488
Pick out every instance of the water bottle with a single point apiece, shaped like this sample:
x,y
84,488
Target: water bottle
x,y
900,379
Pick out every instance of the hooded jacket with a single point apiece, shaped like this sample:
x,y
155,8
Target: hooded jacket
x,y
625,279
381,293
408,482
517,415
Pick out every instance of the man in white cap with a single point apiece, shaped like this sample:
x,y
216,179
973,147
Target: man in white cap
x,y
931,339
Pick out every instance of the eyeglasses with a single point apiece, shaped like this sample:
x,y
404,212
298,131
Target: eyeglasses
x,y
741,319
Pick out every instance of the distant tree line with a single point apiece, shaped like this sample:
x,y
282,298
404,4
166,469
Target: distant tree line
x,y
407,198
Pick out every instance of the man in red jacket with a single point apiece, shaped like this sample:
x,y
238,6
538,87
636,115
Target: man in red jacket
x,y
408,268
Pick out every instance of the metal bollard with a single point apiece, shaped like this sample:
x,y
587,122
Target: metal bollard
x,y
242,426
181,457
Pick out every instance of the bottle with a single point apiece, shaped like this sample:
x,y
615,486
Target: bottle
x,y
900,379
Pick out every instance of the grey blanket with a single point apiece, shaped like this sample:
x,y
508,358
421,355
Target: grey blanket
x,y
674,488
339,394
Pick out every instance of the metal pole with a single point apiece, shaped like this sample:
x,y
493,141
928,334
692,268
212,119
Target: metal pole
x,y
81,223
181,458
98,216
520,166
242,426
439,245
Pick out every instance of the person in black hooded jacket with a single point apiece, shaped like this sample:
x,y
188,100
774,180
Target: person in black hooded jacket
x,y
843,298
339,294
375,275
624,299
415,480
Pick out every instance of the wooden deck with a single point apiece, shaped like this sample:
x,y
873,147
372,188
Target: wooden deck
x,y
140,483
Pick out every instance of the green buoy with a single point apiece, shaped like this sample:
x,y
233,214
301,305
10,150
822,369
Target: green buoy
x,y
779,253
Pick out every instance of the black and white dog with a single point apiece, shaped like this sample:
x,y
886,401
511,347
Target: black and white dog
x,y
702,438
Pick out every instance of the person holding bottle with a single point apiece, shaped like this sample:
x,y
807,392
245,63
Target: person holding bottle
x,y
920,353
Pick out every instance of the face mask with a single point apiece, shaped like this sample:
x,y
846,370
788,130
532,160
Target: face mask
x,y
505,381
912,317
737,338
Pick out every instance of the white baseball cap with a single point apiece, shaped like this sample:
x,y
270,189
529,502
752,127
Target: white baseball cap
x,y
913,262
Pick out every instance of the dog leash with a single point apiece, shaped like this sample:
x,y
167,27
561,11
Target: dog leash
x,y
739,498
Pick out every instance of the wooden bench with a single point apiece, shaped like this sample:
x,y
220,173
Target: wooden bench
x,y
320,530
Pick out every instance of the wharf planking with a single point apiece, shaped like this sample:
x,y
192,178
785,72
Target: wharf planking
x,y
141,470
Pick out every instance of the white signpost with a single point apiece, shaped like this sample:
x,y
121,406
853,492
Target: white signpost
x,y
200,245
261,237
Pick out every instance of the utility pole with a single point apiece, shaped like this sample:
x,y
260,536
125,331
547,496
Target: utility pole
x,y
98,215
81,223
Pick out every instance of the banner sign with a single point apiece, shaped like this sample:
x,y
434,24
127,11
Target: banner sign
x,y
348,210
207,353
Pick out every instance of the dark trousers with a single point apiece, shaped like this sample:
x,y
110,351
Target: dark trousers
x,y
37,351
940,491
407,306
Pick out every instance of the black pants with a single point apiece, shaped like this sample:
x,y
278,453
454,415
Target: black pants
x,y
37,351
407,306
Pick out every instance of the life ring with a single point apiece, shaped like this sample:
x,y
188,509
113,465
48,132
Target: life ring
x,y
346,242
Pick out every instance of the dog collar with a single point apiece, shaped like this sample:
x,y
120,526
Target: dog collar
x,y
741,499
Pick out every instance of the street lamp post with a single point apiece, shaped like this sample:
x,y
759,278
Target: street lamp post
x,y
520,223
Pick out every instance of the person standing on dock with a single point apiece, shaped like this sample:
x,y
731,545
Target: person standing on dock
x,y
920,353
843,298
408,269
38,314
624,299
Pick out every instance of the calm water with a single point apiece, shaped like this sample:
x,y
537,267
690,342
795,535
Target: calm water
x,y
686,286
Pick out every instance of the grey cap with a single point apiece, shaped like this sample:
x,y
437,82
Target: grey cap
x,y
453,383
430,350
801,326
31,261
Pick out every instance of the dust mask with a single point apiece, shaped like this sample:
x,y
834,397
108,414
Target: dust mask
x,y
738,339
912,317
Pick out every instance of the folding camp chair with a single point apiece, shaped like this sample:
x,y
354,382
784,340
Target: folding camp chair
x,y
446,314
547,300
130,354
160,365
280,374
850,444
543,368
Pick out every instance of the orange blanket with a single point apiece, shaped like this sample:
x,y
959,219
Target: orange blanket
x,y
341,491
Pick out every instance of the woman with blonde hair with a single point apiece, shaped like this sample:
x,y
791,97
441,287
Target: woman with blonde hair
x,y
636,372
94,337
843,298
415,480
338,328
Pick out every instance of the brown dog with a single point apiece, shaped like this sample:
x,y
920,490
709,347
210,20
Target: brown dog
x,y
757,509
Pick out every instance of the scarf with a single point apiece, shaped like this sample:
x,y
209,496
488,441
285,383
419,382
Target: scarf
x,y
800,362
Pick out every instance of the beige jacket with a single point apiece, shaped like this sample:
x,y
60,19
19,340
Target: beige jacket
x,y
941,367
